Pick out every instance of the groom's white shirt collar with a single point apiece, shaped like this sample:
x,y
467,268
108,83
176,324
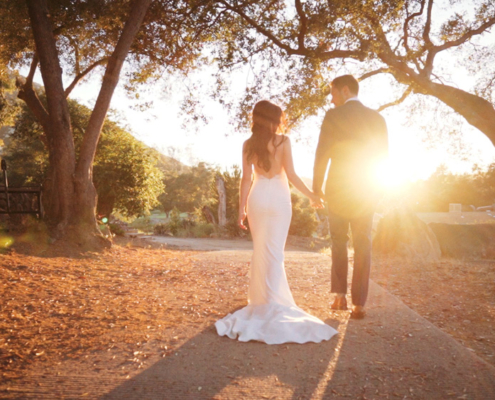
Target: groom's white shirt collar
x,y
352,99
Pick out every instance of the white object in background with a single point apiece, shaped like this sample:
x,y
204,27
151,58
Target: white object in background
x,y
455,207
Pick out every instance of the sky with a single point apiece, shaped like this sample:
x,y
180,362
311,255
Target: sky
x,y
162,126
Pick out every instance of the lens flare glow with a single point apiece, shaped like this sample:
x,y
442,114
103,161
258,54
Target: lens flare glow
x,y
392,173
389,175
6,241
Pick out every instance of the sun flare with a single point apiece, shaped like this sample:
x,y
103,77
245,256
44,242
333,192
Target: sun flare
x,y
388,176
392,173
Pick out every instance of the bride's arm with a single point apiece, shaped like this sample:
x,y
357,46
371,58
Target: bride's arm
x,y
293,177
244,187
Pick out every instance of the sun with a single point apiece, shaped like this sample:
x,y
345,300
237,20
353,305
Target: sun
x,y
394,172
387,176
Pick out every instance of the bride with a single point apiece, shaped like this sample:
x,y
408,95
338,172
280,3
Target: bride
x,y
271,315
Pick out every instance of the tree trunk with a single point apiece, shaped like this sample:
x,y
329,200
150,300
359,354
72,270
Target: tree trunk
x,y
210,218
59,134
106,205
69,191
477,111
85,192
222,202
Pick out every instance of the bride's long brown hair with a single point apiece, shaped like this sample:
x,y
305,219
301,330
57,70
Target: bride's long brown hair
x,y
268,118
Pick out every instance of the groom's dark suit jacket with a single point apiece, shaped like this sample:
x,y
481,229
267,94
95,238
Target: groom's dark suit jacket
x,y
354,139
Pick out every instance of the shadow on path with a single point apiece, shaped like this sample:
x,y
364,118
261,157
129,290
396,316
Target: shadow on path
x,y
232,369
392,353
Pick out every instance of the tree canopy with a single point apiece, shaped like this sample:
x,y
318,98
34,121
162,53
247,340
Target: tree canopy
x,y
69,40
126,175
294,49
87,33
188,190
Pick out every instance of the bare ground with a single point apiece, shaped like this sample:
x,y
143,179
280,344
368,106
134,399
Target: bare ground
x,y
137,322
458,296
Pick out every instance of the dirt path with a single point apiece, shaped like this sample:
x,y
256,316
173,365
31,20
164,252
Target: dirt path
x,y
393,353
201,244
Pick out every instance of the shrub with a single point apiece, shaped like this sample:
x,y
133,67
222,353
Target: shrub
x,y
143,224
175,222
304,220
231,229
203,230
161,229
184,228
183,233
116,229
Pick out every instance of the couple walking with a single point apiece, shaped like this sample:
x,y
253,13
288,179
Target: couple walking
x,y
354,138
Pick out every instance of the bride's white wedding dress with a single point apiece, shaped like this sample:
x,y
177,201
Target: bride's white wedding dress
x,y
271,315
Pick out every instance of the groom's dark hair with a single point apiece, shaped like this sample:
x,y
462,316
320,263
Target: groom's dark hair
x,y
346,80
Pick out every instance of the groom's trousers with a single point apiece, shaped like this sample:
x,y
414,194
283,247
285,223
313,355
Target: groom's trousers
x,y
361,237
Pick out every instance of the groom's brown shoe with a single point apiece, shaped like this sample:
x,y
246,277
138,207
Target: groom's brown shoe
x,y
358,312
340,303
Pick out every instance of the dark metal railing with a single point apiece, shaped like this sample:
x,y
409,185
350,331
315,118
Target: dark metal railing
x,y
10,196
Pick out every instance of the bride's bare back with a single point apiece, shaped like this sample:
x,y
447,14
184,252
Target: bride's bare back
x,y
276,158
281,161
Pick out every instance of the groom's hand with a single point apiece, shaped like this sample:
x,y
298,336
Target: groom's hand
x,y
317,204
316,201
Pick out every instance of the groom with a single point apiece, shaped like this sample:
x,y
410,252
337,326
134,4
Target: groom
x,y
354,139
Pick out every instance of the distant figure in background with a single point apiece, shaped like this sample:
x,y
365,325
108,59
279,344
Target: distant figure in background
x,y
354,138
271,315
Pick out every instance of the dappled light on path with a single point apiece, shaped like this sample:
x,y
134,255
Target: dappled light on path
x,y
332,365
209,366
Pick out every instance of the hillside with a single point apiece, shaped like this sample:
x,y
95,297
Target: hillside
x,y
167,164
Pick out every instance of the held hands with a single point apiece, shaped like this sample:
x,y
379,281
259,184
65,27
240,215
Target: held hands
x,y
240,220
316,201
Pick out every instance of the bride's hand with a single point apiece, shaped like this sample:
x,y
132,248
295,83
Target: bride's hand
x,y
316,201
240,220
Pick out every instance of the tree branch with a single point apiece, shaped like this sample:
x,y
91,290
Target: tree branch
x,y
81,75
51,72
259,28
464,38
110,79
32,70
76,54
326,55
304,24
406,24
428,67
386,54
56,119
406,93
398,44
245,59
30,97
426,31
454,43
373,73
